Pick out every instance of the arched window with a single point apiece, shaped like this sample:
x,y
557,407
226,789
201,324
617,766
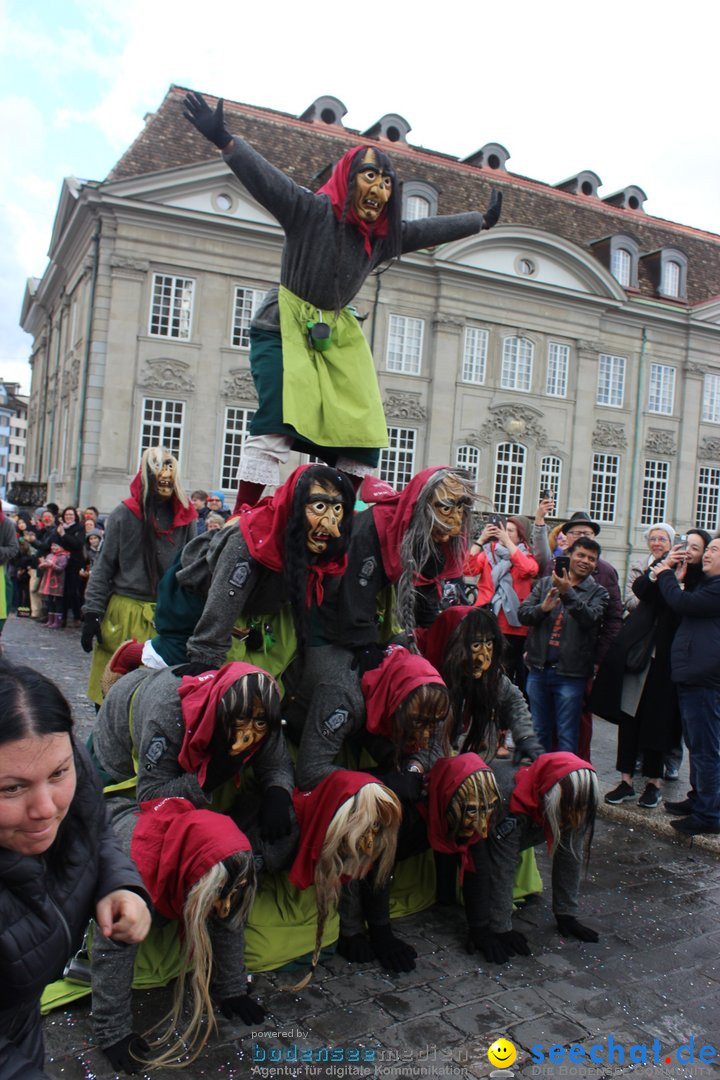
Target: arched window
x,y
550,476
671,278
621,268
416,207
510,461
468,458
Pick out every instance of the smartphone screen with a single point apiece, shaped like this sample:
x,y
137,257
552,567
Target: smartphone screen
x,y
562,563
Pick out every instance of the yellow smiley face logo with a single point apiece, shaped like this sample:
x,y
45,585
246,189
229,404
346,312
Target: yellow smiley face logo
x,y
502,1054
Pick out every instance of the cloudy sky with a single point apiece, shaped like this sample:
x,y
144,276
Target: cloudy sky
x,y
627,92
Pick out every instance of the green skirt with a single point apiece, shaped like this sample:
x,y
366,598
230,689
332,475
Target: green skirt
x,y
125,618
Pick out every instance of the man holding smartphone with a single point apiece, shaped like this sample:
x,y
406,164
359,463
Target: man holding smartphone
x,y
564,612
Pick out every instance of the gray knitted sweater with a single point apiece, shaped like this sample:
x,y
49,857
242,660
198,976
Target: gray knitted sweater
x,y
312,237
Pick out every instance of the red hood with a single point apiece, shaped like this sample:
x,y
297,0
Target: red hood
x,y
386,687
314,811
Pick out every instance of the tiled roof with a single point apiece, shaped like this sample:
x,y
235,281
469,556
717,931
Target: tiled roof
x,y
306,151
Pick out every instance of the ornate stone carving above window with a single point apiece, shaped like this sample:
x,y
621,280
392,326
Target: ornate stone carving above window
x,y
239,386
611,436
709,449
167,374
661,442
519,423
124,262
404,406
691,367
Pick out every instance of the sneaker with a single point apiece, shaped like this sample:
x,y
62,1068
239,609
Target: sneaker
x,y
681,808
621,793
671,773
693,825
651,797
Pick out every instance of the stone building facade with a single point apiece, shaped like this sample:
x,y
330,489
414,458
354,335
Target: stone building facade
x,y
575,346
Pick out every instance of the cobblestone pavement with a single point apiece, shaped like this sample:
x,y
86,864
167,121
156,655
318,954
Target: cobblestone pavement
x,y
653,980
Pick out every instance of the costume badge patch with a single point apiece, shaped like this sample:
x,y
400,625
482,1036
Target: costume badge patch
x,y
335,721
367,570
156,749
240,574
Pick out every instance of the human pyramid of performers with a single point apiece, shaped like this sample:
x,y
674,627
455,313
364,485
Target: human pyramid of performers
x,y
288,698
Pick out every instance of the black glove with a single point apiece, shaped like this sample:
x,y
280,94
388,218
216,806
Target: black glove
x,y
220,768
276,818
209,122
367,658
492,214
514,943
129,1054
90,631
392,953
529,747
406,785
570,927
193,667
488,943
249,1010
355,948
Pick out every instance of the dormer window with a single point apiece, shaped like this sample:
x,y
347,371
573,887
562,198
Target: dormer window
x,y
620,254
667,269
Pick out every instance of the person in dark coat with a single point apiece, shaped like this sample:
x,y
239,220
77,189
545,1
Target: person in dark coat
x,y
644,702
60,861
70,535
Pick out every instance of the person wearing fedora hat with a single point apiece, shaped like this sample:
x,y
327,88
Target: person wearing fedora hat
x,y
578,525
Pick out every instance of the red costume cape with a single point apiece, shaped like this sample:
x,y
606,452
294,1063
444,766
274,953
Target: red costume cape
x,y
432,640
314,811
391,513
386,687
182,515
174,845
336,189
444,779
534,781
199,699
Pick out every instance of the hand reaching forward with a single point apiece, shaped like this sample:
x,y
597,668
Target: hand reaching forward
x,y
123,915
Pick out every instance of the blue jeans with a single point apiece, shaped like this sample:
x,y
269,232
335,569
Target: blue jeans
x,y
555,706
700,714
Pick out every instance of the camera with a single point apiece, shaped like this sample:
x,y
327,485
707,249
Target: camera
x,y
495,519
562,563
547,493
683,542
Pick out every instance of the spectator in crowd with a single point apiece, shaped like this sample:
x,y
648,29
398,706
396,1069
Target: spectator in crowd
x,y
633,687
659,539
9,549
501,557
71,538
605,574
214,521
696,672
564,612
199,500
52,585
216,504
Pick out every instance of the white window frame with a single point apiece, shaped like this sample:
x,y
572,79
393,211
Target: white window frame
x,y
405,344
558,363
171,307
509,478
517,364
475,349
656,482
246,301
621,266
707,506
550,476
711,399
661,389
604,487
416,207
611,381
162,424
467,457
671,278
235,432
397,460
